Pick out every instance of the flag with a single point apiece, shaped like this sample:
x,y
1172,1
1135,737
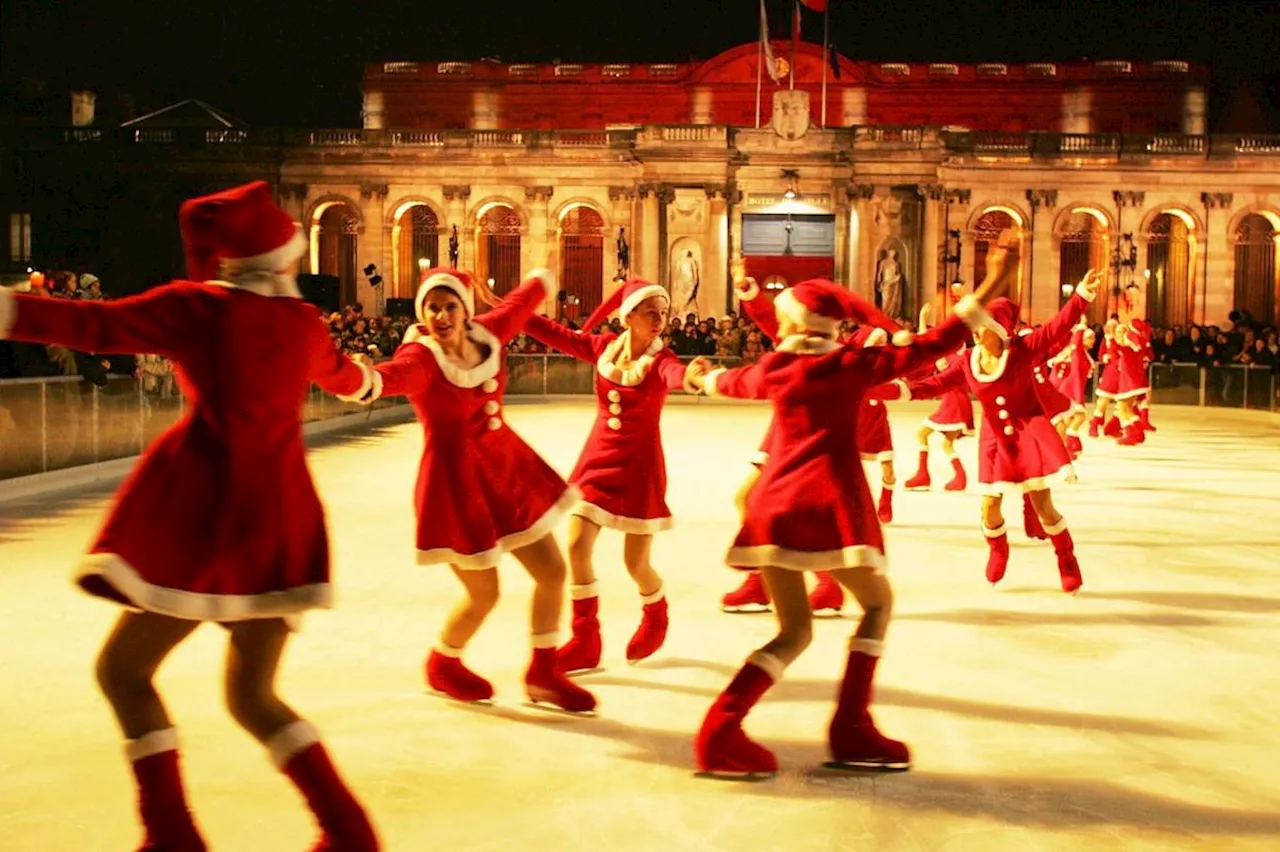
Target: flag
x,y
833,58
815,5
795,38
770,65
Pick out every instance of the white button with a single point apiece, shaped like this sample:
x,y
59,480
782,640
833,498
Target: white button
x,y
615,409
614,396
494,423
875,402
1004,415
1008,430
1000,400
615,423
489,386
491,407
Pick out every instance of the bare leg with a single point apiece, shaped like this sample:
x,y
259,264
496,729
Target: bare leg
x,y
886,473
253,658
127,665
1043,503
482,595
874,595
545,565
635,553
992,518
795,620
582,543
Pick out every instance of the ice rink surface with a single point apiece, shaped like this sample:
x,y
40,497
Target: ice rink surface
x,y
1141,715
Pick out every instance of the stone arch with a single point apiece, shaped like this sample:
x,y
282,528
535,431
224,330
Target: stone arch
x,y
1182,211
401,205
1082,234
583,201
486,204
334,245
986,221
316,209
407,247
1170,246
499,241
1254,238
1265,211
1020,216
1099,212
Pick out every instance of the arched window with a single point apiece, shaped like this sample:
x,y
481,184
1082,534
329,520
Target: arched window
x,y
1169,259
1255,278
417,236
985,233
498,255
1083,246
339,229
582,259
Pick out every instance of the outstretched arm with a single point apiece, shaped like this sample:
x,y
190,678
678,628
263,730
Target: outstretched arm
x,y
890,362
739,382
333,371
513,311
758,308
403,375
163,321
578,344
1054,334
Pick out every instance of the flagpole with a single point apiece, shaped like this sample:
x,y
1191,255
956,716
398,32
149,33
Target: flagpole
x,y
826,58
795,39
760,64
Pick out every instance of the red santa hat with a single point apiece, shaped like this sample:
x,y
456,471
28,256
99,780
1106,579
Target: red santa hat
x,y
241,230
460,283
624,300
1001,316
820,305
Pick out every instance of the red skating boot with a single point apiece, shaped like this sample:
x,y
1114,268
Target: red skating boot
x,y
1065,548
652,631
920,481
547,684
1074,445
854,741
345,826
827,595
959,481
998,558
447,675
722,747
1095,425
885,510
582,652
1144,417
1113,429
1133,434
1031,520
162,802
751,596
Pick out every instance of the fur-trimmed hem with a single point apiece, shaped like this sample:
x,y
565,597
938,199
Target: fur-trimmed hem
x,y
136,593
8,312
947,427
631,526
759,458
489,558
882,456
766,555
1038,483
1059,417
1101,394
1130,394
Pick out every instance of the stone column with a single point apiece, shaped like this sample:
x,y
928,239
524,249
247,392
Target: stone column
x,y
734,199
931,246
1077,110
862,262
540,247
372,246
647,240
715,262
622,214
1042,280
1193,112
843,209
456,215
1216,300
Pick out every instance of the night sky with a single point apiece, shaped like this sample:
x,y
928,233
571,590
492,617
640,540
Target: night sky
x,y
273,62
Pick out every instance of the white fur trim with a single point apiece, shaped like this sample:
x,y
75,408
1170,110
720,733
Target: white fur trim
x,y
946,427
633,301
449,651
270,261
800,344
449,282
903,337
1038,483
585,591
637,371
975,362
709,382
1085,294
769,664
976,317
372,381
1129,394
196,606
487,559
870,647
877,337
149,745
759,457
788,306
882,456
477,375
291,741
904,390
763,555
546,276
995,533
545,640
655,597
1055,529
752,291
631,526
8,312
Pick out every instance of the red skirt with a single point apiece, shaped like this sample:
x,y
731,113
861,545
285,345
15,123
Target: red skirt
x,y
954,413
1109,382
623,486
875,440
1030,459
1055,404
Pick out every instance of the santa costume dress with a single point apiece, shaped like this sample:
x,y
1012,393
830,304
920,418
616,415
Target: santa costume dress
x,y
621,472
219,520
1132,342
1107,386
1019,450
811,509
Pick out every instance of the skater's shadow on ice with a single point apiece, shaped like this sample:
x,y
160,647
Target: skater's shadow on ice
x,y
1195,600
1002,618
1045,802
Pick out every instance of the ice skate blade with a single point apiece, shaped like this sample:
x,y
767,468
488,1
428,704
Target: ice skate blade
x,y
746,609
916,488
580,672
863,766
483,702
548,707
726,775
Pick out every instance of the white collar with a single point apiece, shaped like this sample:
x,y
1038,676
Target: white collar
x,y
635,372
477,375
975,363
801,344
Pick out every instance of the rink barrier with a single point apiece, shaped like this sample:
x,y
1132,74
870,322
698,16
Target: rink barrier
x,y
59,424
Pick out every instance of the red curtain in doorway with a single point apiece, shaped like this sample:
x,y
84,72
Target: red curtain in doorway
x,y
791,267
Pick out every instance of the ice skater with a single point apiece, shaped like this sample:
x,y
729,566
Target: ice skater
x,y
1107,386
952,419
219,520
812,510
621,472
481,490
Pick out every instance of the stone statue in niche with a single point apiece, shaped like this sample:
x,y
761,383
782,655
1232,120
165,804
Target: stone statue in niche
x,y
686,277
453,248
624,254
889,284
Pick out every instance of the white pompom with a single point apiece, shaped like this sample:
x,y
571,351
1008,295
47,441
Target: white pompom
x,y
903,337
